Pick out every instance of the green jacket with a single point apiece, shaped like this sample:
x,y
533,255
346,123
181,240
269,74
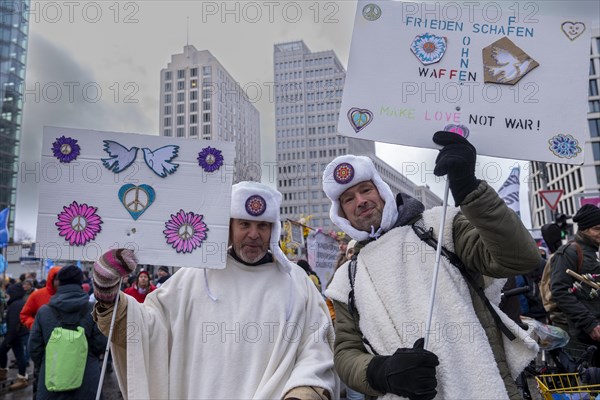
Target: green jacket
x,y
490,240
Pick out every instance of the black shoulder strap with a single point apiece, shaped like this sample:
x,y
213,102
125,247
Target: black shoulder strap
x,y
351,278
56,313
426,235
352,304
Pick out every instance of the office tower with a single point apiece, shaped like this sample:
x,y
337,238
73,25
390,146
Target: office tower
x,y
199,99
307,104
14,27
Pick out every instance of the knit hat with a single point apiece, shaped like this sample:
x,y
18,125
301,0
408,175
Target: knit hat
x,y
164,269
70,275
255,201
109,269
15,291
347,171
587,217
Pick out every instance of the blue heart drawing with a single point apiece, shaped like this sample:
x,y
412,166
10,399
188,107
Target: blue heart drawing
x,y
359,118
136,199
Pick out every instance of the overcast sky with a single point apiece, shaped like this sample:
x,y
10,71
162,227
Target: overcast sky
x,y
118,49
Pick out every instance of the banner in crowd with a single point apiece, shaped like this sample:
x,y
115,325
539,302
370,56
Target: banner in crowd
x,y
296,233
509,191
510,76
4,236
322,255
166,198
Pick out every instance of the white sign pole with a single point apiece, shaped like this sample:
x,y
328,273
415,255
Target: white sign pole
x,y
436,268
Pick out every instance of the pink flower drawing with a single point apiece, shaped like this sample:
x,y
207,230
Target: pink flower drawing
x,y
185,231
78,223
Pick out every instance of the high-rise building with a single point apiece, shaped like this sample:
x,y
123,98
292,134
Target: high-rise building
x,y
14,28
307,104
199,99
574,180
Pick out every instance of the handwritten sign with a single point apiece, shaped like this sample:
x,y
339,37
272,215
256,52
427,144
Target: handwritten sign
x,y
322,255
510,76
167,199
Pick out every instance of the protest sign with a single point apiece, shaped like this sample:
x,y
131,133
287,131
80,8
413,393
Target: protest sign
x,y
166,198
510,76
322,255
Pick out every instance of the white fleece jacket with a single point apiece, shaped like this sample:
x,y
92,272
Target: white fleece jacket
x,y
181,344
393,282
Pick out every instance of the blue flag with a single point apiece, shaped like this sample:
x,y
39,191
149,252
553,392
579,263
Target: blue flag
x,y
3,264
48,263
4,227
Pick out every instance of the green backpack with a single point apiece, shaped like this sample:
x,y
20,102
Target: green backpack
x,y
66,355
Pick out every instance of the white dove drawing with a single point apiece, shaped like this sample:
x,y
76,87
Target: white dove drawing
x,y
509,67
158,160
120,156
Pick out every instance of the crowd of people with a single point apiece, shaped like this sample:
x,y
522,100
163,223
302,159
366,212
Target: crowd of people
x,y
267,328
22,300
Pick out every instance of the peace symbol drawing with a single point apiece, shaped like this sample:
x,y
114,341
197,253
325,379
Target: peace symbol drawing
x,y
136,199
359,118
371,12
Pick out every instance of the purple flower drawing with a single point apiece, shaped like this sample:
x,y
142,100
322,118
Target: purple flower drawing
x,y
65,149
210,159
78,223
185,231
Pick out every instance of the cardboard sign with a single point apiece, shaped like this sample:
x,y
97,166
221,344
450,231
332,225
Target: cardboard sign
x,y
322,255
166,198
510,76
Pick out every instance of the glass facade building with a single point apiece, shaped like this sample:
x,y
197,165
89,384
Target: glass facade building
x,y
14,25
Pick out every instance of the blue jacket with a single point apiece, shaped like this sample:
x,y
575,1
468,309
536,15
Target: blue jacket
x,y
68,301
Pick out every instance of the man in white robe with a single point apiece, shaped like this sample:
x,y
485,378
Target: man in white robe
x,y
257,329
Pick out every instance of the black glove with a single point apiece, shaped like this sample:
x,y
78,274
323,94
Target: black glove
x,y
408,373
457,159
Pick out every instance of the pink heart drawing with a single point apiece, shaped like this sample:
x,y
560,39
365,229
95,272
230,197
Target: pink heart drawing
x,y
573,29
458,129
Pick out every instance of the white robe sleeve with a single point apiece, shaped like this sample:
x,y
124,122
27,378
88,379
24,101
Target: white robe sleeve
x,y
314,358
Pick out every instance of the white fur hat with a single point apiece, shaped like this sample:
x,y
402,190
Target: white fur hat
x,y
258,202
347,171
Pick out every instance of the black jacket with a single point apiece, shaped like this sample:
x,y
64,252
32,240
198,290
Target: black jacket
x,y
14,328
69,301
582,311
